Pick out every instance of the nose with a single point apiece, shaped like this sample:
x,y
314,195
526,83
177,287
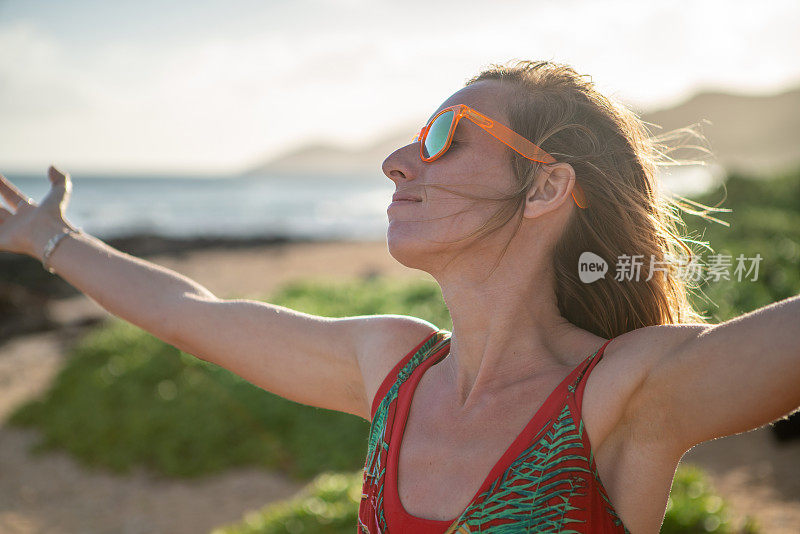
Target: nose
x,y
403,163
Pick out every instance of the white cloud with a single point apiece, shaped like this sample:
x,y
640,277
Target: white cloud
x,y
317,69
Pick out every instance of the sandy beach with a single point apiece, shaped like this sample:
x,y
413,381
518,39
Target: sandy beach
x,y
53,494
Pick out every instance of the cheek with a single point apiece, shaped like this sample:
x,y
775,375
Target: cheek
x,y
459,215
472,175
445,215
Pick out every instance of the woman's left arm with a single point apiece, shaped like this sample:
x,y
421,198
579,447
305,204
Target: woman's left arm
x,y
710,381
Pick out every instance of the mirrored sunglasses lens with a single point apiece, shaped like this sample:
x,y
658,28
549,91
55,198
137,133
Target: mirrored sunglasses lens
x,y
436,139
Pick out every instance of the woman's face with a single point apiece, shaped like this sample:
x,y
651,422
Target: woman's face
x,y
475,163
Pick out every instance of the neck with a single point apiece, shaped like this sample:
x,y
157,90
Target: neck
x,y
506,329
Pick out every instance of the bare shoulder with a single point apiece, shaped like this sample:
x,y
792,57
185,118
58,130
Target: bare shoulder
x,y
628,362
629,357
648,344
383,341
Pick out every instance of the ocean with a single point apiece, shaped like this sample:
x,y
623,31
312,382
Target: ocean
x,y
304,207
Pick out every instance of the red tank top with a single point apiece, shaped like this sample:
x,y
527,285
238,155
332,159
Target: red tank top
x,y
546,481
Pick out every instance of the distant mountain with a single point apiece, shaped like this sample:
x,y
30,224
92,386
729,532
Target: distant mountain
x,y
325,159
756,134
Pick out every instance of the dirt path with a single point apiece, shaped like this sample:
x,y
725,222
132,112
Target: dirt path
x,y
53,494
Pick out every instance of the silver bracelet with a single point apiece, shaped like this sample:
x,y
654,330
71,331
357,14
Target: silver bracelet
x,y
51,245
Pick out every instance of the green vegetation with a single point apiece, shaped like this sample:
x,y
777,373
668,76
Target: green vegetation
x,y
765,220
328,505
693,507
368,296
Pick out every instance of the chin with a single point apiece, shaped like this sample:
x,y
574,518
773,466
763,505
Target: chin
x,y
405,246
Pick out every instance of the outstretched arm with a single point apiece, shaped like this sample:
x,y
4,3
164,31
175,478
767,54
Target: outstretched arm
x,y
710,381
333,363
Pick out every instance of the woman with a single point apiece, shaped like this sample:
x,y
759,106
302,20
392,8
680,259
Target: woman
x,y
554,405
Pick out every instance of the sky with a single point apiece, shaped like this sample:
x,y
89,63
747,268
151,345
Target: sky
x,y
216,87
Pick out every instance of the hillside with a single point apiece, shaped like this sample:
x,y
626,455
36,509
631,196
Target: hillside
x,y
755,134
329,159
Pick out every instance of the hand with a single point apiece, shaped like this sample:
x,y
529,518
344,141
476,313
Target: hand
x,y
28,220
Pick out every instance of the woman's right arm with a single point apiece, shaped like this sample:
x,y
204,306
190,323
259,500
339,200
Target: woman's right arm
x,y
131,288
334,363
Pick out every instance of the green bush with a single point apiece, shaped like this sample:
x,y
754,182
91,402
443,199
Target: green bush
x,y
328,505
765,220
693,507
367,296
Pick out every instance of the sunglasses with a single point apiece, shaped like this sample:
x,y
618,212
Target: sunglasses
x,y
435,138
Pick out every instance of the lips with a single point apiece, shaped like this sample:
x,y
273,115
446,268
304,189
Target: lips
x,y
405,196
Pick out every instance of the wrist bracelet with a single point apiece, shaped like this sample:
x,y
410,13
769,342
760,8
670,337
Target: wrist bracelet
x,y
51,245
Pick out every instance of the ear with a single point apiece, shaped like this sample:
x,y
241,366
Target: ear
x,y
551,188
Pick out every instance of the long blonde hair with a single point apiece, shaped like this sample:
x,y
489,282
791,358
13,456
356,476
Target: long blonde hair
x,y
615,160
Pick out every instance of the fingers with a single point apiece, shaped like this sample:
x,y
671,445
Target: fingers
x,y
10,193
55,175
60,180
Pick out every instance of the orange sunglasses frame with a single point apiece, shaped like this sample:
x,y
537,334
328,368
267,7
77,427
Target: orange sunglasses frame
x,y
500,132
